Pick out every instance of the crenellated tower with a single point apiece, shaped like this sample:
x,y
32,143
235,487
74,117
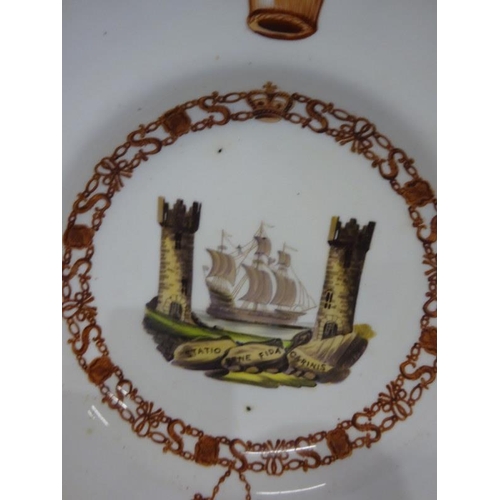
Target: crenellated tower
x,y
348,246
179,226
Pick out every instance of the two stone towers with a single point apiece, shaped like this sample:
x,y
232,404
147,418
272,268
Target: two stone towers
x,y
348,247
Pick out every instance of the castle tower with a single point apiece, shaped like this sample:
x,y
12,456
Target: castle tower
x,y
176,258
348,247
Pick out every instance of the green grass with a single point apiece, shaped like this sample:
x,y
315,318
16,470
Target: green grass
x,y
364,331
194,332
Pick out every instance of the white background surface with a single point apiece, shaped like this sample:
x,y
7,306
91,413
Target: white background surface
x,y
120,63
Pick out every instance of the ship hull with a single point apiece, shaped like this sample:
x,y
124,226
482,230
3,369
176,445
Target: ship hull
x,y
275,318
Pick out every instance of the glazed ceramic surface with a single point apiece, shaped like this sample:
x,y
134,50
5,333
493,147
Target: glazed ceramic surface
x,y
349,105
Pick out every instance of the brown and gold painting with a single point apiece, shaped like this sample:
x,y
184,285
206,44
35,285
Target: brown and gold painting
x,y
249,285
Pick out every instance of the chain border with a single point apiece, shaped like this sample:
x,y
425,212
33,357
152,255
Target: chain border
x,y
394,404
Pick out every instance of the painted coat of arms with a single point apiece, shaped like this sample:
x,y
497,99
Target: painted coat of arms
x,y
250,285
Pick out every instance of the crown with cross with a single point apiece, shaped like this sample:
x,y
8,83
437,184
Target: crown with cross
x,y
269,104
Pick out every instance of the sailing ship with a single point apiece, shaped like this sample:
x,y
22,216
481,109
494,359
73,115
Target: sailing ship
x,y
246,284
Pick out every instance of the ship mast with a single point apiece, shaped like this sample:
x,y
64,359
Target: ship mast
x,y
260,233
222,236
257,271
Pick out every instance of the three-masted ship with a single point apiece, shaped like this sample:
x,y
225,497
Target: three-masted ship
x,y
246,284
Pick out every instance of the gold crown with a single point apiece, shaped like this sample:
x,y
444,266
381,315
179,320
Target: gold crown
x,y
269,104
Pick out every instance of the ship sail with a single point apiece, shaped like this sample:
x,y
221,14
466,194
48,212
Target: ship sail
x,y
223,266
286,291
246,282
263,246
284,259
260,289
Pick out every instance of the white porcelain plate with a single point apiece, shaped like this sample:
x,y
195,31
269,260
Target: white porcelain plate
x,y
249,283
